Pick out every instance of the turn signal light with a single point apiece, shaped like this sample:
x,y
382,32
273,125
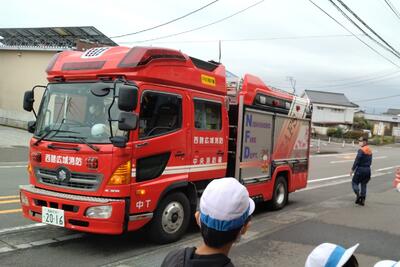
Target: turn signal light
x,y
141,192
122,175
30,170
36,156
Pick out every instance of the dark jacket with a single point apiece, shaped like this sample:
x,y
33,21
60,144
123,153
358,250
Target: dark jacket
x,y
187,257
362,164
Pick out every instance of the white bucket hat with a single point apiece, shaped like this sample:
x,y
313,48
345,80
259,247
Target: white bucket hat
x,y
329,255
225,205
387,263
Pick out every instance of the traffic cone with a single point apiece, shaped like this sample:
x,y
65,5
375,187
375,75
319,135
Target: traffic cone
x,y
396,182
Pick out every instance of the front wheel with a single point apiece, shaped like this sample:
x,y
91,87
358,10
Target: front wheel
x,y
280,194
171,219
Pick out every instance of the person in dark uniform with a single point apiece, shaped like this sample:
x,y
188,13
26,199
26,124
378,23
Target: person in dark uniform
x,y
362,171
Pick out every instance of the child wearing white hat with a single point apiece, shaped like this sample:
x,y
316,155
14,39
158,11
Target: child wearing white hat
x,y
331,255
387,263
225,211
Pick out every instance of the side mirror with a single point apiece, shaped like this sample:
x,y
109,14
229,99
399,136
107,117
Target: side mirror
x,y
127,97
127,121
119,141
28,100
31,126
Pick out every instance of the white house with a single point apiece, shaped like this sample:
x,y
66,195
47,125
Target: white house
x,y
330,110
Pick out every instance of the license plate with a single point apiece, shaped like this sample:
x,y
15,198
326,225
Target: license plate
x,y
53,216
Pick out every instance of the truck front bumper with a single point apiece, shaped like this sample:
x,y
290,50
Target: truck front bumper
x,y
74,207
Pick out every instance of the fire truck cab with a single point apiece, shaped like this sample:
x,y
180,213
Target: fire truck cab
x,y
130,137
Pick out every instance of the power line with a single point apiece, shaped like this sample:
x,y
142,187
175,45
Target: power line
x,y
366,34
166,23
360,82
377,98
368,27
370,47
204,26
391,6
255,39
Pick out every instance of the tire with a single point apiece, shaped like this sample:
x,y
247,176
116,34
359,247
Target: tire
x,y
171,219
280,194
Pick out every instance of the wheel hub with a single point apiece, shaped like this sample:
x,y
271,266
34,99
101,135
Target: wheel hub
x,y
172,217
280,192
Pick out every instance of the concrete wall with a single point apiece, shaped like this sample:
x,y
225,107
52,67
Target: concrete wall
x,y
329,114
20,70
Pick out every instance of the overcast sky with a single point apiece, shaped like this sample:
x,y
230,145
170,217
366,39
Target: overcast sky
x,y
274,39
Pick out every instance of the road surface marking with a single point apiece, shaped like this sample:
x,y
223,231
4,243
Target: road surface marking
x,y
9,201
13,163
15,166
328,178
387,168
337,183
331,155
10,211
23,227
349,160
7,197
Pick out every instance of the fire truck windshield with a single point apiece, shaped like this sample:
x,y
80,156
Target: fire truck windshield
x,y
69,112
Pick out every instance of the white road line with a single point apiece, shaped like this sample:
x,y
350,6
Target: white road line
x,y
18,228
15,166
387,168
332,155
350,160
13,163
328,178
336,183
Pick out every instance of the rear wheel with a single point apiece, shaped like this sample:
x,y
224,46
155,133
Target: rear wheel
x,y
280,194
171,219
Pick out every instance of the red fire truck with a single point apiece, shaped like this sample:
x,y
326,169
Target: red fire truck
x,y
130,137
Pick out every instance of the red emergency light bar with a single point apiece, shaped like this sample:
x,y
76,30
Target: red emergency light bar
x,y
139,56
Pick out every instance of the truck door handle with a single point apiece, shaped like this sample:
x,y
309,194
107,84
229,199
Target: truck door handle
x,y
179,154
141,144
220,152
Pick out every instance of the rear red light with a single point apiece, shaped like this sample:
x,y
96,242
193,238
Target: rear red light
x,y
36,156
52,62
297,108
92,163
274,103
85,65
139,56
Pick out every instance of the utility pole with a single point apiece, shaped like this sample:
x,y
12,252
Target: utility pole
x,y
292,83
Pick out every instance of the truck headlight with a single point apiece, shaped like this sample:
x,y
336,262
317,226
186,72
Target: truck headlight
x,y
24,199
101,212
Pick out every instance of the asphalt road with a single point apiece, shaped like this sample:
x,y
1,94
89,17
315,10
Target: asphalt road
x,y
322,212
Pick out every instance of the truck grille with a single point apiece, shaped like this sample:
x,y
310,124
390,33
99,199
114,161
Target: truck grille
x,y
82,181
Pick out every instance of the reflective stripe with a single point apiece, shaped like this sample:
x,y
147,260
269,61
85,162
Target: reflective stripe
x,y
189,168
221,225
335,257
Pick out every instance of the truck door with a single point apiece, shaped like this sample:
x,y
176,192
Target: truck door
x,y
209,138
162,137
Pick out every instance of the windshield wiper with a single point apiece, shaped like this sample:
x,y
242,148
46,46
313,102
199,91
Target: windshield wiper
x,y
82,139
55,131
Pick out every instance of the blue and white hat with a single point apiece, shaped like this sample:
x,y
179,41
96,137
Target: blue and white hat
x,y
225,205
329,255
387,263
